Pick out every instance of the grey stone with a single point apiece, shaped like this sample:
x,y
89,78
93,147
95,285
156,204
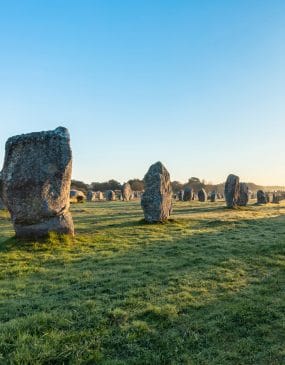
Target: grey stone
x,y
188,194
110,195
202,195
2,206
91,196
36,183
232,191
127,192
180,195
213,196
156,200
76,196
243,195
261,197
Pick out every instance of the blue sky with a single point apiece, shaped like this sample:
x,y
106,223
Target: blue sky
x,y
197,84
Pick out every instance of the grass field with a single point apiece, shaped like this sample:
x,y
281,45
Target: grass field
x,y
208,287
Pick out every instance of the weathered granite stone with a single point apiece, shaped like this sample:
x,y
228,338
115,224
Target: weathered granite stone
x,y
180,195
91,196
100,195
188,194
213,196
110,195
276,198
36,183
202,195
243,195
2,206
76,196
261,197
156,200
127,192
232,191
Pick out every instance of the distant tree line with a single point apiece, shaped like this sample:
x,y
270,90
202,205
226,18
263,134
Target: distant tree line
x,y
138,185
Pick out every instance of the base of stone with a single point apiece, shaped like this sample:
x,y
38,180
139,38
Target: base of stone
x,y
61,224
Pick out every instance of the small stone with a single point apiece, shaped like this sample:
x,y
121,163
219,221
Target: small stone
x,y
202,195
261,197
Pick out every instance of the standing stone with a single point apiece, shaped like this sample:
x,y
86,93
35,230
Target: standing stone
x,y
76,196
276,198
188,194
202,195
2,206
127,192
156,199
100,195
213,196
261,197
232,191
243,195
110,195
36,183
90,197
180,195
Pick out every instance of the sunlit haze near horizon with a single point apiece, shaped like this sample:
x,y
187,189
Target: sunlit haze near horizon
x,y
198,85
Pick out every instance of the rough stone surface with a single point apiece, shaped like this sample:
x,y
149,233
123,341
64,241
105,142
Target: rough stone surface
x,y
232,191
180,195
90,197
202,195
261,197
188,194
243,195
100,195
76,196
36,182
110,195
2,206
156,200
127,192
213,196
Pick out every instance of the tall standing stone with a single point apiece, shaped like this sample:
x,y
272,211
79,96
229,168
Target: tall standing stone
x,y
36,182
110,195
188,194
243,195
127,192
261,197
90,197
232,191
180,195
156,200
202,195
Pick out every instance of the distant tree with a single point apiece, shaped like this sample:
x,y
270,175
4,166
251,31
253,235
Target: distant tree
x,y
136,184
107,185
195,184
79,185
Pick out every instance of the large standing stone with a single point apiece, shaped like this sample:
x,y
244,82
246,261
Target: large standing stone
x,y
156,200
232,191
188,194
100,195
127,192
36,182
261,197
243,195
202,195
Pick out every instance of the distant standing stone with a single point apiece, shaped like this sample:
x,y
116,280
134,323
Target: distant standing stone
x,y
243,195
99,195
213,196
156,200
202,195
261,197
232,191
36,183
180,195
127,192
110,195
90,197
188,194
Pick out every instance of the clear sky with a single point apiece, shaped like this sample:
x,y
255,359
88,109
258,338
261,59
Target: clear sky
x,y
197,84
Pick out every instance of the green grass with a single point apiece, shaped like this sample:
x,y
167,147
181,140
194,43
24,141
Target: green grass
x,y
208,287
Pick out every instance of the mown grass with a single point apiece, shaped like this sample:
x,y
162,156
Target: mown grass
x,y
205,288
